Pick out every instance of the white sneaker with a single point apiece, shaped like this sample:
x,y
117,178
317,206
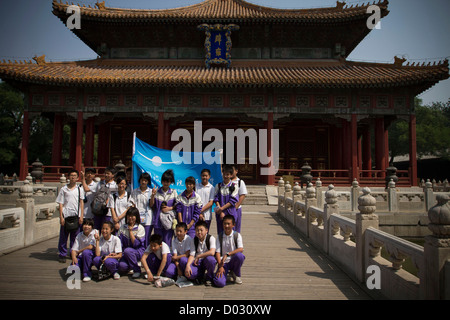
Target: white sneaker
x,y
136,275
237,280
86,279
116,276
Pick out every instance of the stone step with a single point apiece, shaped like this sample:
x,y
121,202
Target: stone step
x,y
256,195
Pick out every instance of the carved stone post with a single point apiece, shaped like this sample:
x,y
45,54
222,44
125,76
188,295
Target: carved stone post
x,y
287,194
319,193
437,251
392,196
428,192
26,202
365,218
331,206
354,194
310,200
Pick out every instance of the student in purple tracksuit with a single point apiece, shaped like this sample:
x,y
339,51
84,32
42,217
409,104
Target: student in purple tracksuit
x,y
108,250
132,237
162,202
156,258
226,197
82,253
189,206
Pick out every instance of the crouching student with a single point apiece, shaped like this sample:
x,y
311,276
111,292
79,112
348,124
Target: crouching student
x,y
189,205
156,258
108,250
82,253
229,256
181,248
201,257
132,238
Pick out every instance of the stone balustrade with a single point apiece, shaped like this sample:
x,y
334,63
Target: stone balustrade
x,y
27,223
355,244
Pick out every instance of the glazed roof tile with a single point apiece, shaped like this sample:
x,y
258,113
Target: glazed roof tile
x,y
223,9
243,73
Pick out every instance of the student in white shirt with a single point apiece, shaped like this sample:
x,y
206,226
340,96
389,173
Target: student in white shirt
x,y
82,253
242,192
201,257
71,202
156,258
90,187
111,184
206,192
108,250
118,203
140,199
181,249
229,256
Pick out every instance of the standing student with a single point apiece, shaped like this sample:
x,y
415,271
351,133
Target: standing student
x,y
229,256
82,253
163,203
189,205
118,203
201,256
226,197
181,249
140,199
156,258
108,250
132,237
206,192
90,187
111,185
71,208
242,192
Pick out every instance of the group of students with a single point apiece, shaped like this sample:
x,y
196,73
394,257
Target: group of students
x,y
156,229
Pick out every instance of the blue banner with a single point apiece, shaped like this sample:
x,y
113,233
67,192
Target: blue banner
x,y
155,161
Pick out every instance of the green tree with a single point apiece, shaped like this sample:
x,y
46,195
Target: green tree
x,y
432,131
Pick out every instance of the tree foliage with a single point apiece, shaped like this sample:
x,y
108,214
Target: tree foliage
x,y
432,131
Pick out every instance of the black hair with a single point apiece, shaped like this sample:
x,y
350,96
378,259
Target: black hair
x,y
73,170
120,178
146,176
110,224
89,222
190,180
229,217
201,223
132,211
121,174
89,170
168,176
227,169
155,238
182,225
110,169
206,170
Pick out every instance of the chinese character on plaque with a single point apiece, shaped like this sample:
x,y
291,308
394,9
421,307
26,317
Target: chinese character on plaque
x,y
218,43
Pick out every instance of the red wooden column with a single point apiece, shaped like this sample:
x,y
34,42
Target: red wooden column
x,y
79,142
380,146
24,150
269,127
161,130
89,148
413,150
354,147
366,150
57,140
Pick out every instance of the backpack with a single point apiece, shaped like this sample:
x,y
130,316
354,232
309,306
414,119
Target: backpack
x,y
208,236
98,204
235,238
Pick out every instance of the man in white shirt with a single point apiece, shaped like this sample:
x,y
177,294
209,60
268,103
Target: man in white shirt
x,y
111,184
71,201
229,256
206,192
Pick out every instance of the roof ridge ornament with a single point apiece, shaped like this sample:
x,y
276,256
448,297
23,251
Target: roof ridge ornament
x,y
40,60
100,5
340,5
398,62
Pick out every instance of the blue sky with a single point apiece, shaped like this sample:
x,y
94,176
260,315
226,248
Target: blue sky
x,y
416,29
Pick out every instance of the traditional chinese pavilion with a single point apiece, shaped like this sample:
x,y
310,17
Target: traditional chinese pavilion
x,y
159,70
